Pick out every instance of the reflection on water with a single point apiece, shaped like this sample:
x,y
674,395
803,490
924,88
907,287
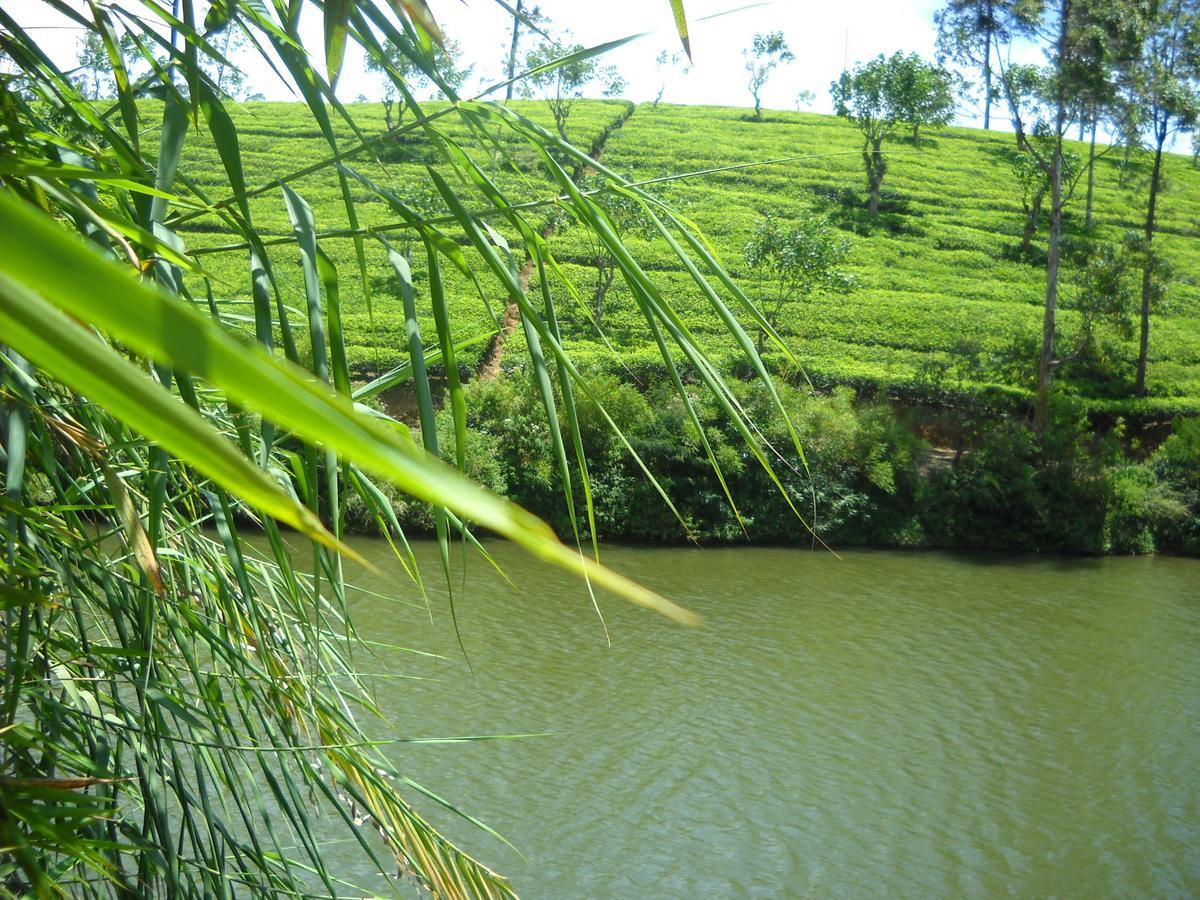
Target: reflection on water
x,y
884,724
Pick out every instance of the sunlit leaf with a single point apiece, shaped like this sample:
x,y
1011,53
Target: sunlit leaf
x,y
681,26
337,18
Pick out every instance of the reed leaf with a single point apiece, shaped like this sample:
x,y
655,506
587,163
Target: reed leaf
x,y
179,698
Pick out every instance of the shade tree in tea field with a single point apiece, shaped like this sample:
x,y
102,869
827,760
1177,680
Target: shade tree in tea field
x,y
767,51
1079,39
789,262
1161,77
884,94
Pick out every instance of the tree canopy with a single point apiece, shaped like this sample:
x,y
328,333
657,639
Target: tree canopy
x,y
881,95
766,52
968,32
790,261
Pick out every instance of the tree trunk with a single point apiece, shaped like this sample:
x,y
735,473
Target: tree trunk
x,y
1032,214
916,135
604,280
1087,221
1041,409
512,51
1148,264
560,108
1053,254
875,170
987,74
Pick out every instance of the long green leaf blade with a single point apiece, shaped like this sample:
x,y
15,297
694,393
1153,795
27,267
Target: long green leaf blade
x,y
83,362
81,282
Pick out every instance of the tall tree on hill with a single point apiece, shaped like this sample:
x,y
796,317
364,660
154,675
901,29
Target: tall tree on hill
x,y
1163,79
883,94
966,33
1028,85
94,74
405,74
566,82
531,19
862,96
228,78
1078,41
765,53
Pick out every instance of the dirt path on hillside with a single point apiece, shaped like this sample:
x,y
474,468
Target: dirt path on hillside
x,y
490,366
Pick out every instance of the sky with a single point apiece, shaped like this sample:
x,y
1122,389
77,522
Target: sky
x,y
823,35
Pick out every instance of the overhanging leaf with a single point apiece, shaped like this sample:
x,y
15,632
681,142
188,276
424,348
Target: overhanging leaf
x,y
337,18
681,26
45,259
86,364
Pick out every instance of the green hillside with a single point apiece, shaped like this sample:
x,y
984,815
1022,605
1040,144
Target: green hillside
x,y
938,279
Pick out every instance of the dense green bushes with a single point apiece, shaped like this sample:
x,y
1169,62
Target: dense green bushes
x,y
870,478
1177,465
1014,492
1070,491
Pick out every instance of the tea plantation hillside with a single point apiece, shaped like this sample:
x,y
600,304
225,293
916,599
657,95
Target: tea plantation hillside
x,y
277,140
942,298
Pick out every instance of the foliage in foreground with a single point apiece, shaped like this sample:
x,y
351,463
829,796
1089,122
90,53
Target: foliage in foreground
x,y
178,705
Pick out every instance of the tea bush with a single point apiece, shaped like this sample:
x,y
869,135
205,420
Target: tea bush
x,y
936,267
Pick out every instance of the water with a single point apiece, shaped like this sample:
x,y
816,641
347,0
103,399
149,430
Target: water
x,y
879,725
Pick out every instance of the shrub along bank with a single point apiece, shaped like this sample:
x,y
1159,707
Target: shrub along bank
x,y
871,477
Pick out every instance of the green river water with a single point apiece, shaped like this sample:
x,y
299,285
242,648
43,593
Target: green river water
x,y
877,725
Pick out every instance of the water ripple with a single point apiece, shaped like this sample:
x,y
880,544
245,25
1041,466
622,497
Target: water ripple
x,y
883,725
